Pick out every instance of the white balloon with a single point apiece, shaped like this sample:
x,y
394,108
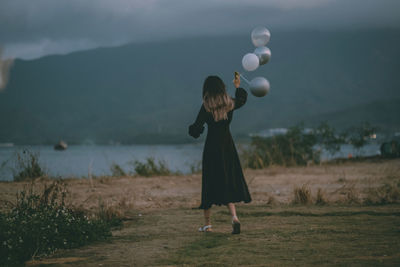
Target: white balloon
x,y
260,36
250,62
263,53
259,86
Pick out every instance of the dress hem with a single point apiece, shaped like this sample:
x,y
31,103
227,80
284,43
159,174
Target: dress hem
x,y
205,207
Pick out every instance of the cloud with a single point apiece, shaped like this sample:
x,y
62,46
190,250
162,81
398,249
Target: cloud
x,y
30,29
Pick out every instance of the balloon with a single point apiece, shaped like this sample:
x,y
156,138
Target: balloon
x,y
250,62
263,53
259,86
260,36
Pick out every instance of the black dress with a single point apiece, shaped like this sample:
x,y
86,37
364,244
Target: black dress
x,y
222,176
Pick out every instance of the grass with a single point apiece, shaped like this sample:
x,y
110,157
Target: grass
x,y
291,237
386,194
279,236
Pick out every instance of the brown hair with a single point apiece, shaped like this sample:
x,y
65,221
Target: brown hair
x,y
215,98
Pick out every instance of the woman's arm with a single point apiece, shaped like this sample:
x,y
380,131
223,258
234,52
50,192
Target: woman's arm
x,y
240,94
240,97
197,127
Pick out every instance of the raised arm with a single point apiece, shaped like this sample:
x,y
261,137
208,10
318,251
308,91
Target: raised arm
x,y
197,127
240,97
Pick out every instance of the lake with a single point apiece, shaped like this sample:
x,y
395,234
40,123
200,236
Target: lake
x,y
80,160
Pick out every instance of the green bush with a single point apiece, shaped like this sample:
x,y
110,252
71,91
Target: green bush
x,y
27,166
151,168
41,223
298,146
293,148
117,171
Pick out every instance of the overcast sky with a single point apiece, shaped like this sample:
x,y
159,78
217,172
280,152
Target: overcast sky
x,y
33,28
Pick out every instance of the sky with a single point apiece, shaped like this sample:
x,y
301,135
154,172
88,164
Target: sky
x,y
33,28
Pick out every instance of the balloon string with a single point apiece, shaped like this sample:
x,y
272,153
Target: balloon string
x,y
247,81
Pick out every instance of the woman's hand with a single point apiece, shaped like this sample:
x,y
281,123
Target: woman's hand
x,y
236,81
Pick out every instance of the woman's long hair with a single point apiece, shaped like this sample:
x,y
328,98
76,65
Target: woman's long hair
x,y
215,98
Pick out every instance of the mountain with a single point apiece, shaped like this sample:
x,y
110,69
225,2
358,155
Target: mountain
x,y
151,92
382,114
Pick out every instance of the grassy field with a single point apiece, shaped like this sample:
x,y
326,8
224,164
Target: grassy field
x,y
161,219
271,236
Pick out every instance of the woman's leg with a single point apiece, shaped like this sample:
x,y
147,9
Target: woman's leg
x,y
207,216
232,210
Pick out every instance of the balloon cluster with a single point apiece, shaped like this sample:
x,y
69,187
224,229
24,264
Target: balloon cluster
x,y
260,36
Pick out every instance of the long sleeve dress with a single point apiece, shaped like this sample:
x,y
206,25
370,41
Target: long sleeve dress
x,y
222,176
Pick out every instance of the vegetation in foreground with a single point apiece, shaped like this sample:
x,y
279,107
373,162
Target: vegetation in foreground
x,y
345,214
41,223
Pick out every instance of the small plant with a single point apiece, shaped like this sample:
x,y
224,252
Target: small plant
x,y
195,167
302,195
151,168
272,200
320,199
109,214
117,171
27,166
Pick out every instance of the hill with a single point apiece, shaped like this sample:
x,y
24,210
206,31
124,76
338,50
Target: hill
x,y
383,114
151,92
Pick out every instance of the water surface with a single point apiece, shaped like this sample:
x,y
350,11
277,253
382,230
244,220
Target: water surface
x,y
80,160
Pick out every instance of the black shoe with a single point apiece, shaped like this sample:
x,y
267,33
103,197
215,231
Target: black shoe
x,y
235,227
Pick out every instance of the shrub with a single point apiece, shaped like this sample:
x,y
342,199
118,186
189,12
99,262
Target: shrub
x,y
386,194
151,168
320,199
272,200
302,195
360,135
27,166
298,146
329,139
116,170
41,223
293,148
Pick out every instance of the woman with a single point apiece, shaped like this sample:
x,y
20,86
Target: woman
x,y
223,182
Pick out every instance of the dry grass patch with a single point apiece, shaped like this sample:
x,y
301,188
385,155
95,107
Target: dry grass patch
x,y
388,193
302,195
321,198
